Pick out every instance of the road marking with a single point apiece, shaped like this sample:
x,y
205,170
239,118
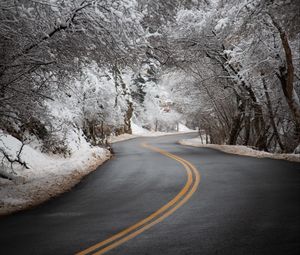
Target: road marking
x,y
181,198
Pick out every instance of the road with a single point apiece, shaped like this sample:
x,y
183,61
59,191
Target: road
x,y
242,205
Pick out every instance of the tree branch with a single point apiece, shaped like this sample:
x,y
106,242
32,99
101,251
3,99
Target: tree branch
x,y
17,159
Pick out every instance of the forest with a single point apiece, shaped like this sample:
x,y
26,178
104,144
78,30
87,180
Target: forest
x,y
149,127
84,69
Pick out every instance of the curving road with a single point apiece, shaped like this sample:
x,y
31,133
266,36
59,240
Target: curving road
x,y
148,200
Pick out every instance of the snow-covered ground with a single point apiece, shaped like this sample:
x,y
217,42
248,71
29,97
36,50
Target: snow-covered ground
x,y
240,150
47,176
138,131
184,129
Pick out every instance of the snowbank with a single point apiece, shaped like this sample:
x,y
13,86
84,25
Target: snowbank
x,y
138,131
240,150
183,128
48,175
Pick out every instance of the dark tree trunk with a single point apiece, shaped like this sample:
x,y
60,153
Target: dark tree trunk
x,y
271,115
127,118
247,122
237,121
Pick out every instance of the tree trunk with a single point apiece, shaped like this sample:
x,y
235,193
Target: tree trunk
x,y
127,118
271,115
259,122
247,126
156,125
237,121
286,77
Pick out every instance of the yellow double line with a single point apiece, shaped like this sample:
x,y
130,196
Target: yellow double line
x,y
193,180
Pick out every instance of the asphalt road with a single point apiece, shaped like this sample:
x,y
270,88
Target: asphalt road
x,y
242,205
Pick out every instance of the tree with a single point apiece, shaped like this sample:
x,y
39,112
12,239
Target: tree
x,y
46,44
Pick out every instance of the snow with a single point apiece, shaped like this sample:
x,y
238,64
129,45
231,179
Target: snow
x,y
183,128
240,150
48,176
138,131
222,23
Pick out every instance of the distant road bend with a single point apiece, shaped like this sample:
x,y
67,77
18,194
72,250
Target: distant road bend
x,y
149,200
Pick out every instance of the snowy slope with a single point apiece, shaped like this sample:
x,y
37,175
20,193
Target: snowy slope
x,y
183,128
48,176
